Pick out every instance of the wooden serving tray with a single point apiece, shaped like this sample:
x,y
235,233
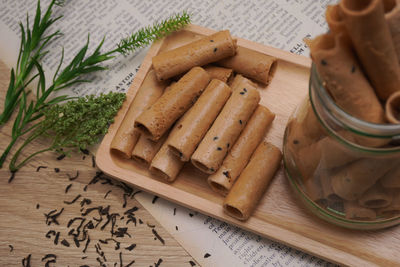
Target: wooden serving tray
x,y
280,215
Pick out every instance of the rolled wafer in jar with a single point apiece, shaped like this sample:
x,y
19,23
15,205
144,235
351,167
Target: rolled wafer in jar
x,y
343,78
198,119
251,64
352,180
146,149
370,35
126,135
219,73
334,18
376,197
394,208
253,181
198,53
226,129
356,212
391,178
156,120
237,158
240,81
313,189
392,108
392,16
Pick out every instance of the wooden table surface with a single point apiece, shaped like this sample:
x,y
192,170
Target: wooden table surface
x,y
48,216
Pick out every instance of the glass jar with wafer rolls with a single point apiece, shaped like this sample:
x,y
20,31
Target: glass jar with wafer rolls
x,y
345,170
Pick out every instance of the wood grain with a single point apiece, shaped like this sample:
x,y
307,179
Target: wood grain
x,y
279,216
25,201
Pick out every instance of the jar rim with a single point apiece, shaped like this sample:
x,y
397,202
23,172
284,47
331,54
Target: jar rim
x,y
354,124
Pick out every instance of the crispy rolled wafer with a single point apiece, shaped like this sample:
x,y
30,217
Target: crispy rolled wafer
x,y
146,149
253,181
376,197
352,180
156,120
252,64
392,108
127,136
370,35
226,129
343,78
239,155
239,81
394,207
198,53
219,73
334,18
198,119
391,178
392,16
356,212
166,164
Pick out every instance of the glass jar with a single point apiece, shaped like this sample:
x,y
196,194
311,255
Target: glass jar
x,y
345,170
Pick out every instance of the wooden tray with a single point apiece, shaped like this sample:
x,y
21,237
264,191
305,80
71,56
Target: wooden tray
x,y
279,215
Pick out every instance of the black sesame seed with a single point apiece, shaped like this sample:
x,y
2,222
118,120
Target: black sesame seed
x,y
353,69
240,121
242,93
176,228
37,206
192,263
226,173
296,142
154,199
215,50
211,40
323,62
219,148
207,255
212,169
215,138
56,169
227,145
244,89
61,157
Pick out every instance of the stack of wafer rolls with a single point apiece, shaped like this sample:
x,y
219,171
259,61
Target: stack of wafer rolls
x,y
343,78
239,155
252,64
253,181
198,53
156,120
196,122
226,129
127,136
370,34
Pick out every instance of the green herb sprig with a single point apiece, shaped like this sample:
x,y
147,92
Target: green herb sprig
x,y
30,113
74,125
33,43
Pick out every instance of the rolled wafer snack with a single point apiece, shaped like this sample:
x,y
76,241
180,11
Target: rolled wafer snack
x,y
198,53
252,64
334,18
219,73
226,129
198,119
392,108
313,189
376,197
156,120
391,178
370,35
146,149
393,208
166,164
392,16
237,158
253,181
352,180
356,212
240,81
339,70
127,136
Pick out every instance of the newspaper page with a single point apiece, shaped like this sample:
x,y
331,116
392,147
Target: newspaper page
x,y
279,23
